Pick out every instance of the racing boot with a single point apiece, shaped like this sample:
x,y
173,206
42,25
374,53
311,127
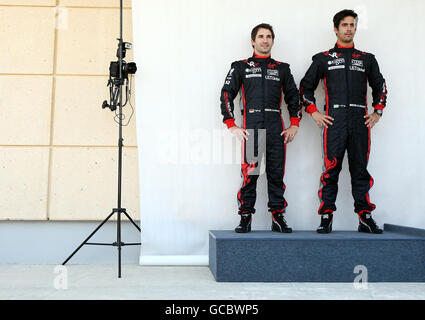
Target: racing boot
x,y
279,223
325,223
367,224
245,224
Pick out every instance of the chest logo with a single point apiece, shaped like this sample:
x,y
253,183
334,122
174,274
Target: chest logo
x,y
272,72
253,70
358,63
336,62
335,55
253,64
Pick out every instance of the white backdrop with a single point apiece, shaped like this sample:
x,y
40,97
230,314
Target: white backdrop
x,y
189,170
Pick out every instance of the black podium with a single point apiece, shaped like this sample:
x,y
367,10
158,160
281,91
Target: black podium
x,y
397,255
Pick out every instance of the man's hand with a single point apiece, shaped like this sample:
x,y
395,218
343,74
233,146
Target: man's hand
x,y
322,119
289,133
240,133
372,119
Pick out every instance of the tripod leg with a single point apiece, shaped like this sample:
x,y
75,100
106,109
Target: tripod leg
x,y
88,238
119,243
131,220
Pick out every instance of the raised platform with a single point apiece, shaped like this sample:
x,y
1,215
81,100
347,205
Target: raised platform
x,y
397,255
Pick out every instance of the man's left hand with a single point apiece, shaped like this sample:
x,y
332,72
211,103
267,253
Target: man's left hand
x,y
372,119
289,133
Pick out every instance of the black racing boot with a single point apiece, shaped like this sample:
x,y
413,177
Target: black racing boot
x,y
279,223
245,224
367,224
325,223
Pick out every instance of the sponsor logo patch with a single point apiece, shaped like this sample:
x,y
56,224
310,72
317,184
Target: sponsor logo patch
x,y
253,70
336,67
358,63
255,75
252,64
272,78
336,61
273,72
229,76
355,68
334,54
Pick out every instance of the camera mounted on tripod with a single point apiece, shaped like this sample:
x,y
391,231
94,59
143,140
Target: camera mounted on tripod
x,y
115,79
127,68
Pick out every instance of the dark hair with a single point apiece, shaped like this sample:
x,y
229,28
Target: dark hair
x,y
261,26
342,14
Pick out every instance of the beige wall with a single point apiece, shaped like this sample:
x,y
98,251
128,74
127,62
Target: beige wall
x,y
58,154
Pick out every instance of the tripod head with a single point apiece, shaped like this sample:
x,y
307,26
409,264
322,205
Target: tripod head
x,y
125,46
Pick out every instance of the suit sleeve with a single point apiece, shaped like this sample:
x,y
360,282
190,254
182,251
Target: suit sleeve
x,y
292,97
229,92
309,84
378,85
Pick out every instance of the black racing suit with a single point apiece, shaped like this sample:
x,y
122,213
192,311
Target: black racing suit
x,y
262,80
345,73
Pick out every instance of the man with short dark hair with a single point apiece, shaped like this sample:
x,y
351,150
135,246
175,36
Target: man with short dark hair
x,y
262,81
345,72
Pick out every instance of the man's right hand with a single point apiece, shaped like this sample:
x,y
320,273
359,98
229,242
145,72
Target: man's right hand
x,y
240,133
322,119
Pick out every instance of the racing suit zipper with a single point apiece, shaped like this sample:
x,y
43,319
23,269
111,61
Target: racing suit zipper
x,y
347,66
263,84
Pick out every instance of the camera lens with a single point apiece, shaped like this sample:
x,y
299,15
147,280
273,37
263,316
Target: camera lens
x,y
131,67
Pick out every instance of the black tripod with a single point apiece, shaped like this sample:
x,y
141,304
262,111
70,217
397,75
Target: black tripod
x,y
117,82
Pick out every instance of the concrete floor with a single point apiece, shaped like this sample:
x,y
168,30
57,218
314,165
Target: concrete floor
x,y
27,282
